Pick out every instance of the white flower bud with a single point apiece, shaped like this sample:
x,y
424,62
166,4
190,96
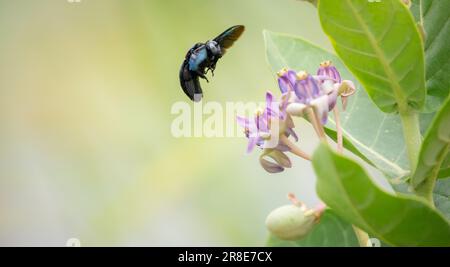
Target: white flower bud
x,y
291,222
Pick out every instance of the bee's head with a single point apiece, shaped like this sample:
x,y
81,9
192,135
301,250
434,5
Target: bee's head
x,y
214,48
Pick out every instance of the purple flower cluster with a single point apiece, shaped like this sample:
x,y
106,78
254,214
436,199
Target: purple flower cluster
x,y
318,92
301,93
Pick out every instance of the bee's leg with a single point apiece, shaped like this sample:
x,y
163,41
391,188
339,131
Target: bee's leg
x,y
213,66
202,75
210,69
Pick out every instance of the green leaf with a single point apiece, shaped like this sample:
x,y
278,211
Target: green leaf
x,y
444,172
434,150
347,144
380,44
437,63
382,143
436,17
399,220
331,231
441,196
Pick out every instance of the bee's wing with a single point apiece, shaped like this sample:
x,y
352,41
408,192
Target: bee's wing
x,y
228,37
190,83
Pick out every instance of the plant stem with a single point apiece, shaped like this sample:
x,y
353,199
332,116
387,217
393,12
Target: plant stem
x,y
313,121
421,12
421,25
363,237
426,190
295,149
413,138
340,144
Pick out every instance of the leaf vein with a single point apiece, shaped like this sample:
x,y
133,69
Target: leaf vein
x,y
356,51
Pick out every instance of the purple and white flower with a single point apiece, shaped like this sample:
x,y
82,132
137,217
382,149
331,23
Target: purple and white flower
x,y
318,92
263,130
345,88
313,92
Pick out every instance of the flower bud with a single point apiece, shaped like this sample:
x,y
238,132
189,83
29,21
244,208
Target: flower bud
x,y
291,222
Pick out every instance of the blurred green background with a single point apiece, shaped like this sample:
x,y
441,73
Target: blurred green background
x,y
86,91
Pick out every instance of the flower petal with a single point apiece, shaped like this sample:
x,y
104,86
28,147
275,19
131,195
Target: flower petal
x,y
283,84
334,73
269,99
292,77
262,122
312,83
287,81
252,141
299,91
269,166
269,112
242,121
279,163
280,158
283,104
327,69
306,89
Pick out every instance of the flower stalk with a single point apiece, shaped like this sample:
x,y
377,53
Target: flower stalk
x,y
294,149
318,127
340,143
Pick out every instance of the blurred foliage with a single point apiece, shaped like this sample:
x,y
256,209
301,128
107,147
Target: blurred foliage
x,y
86,151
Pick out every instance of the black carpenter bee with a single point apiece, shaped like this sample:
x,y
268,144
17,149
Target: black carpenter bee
x,y
203,57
